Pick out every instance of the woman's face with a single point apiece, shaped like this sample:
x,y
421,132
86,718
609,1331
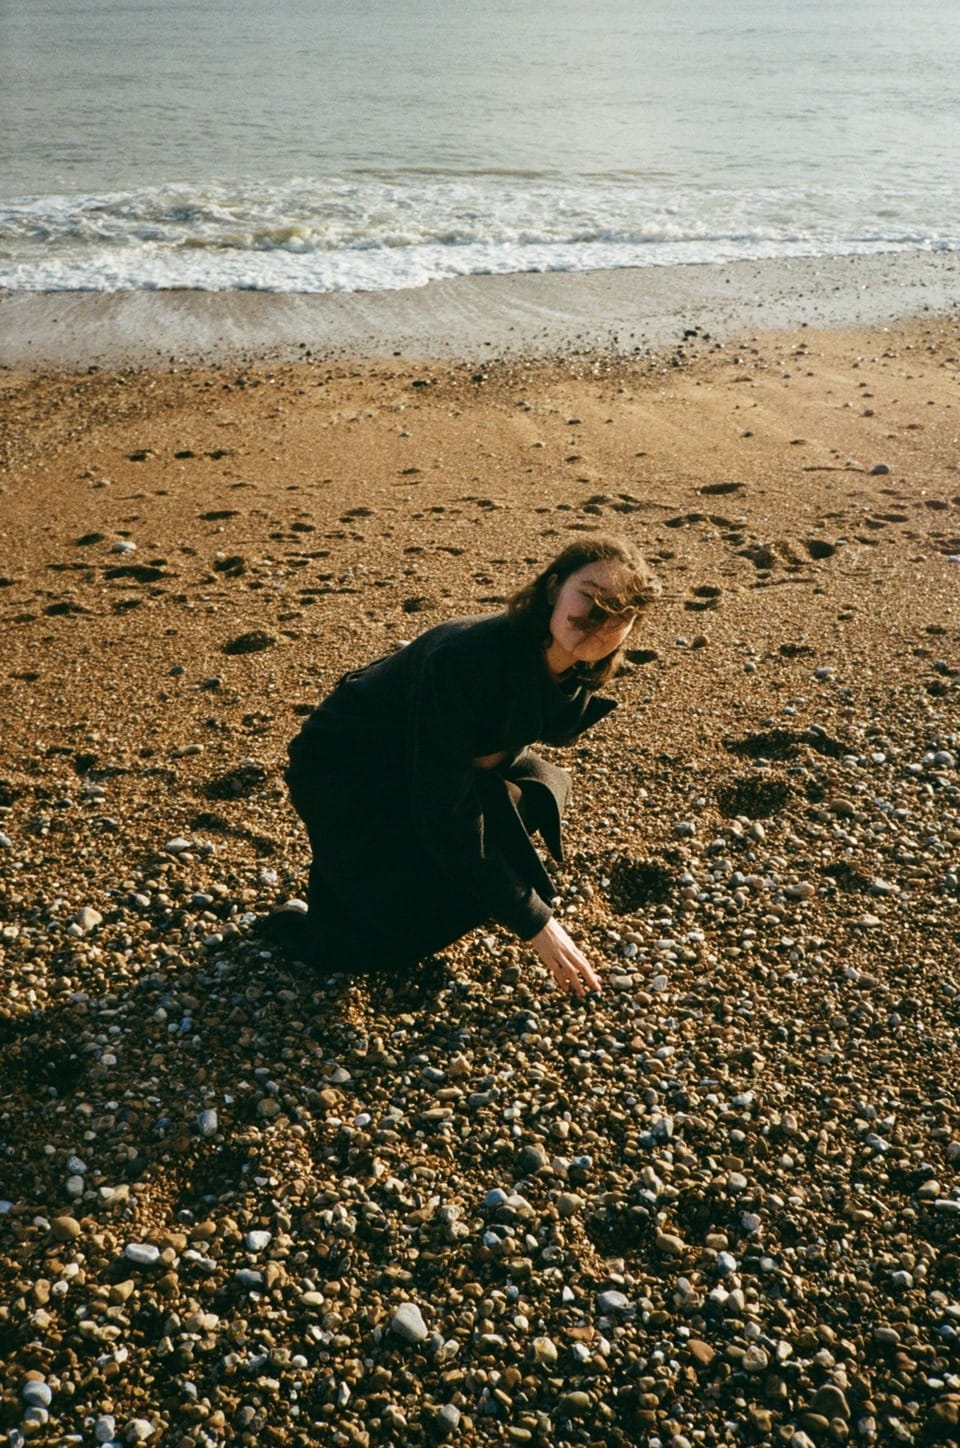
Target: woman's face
x,y
579,630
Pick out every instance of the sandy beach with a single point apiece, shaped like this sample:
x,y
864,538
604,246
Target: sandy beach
x,y
719,1204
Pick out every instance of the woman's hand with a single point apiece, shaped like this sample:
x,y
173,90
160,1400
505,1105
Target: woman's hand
x,y
565,961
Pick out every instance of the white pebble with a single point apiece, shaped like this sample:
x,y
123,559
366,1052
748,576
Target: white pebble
x,y
37,1394
407,1322
144,1254
448,1418
258,1241
138,1430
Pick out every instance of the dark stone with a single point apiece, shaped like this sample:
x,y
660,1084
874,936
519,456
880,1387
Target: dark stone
x,y
253,642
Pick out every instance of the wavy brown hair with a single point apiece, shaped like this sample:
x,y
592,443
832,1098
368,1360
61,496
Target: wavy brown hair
x,y
532,606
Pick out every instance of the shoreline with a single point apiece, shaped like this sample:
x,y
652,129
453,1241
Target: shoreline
x,y
628,312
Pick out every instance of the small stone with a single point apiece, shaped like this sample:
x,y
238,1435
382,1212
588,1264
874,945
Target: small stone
x,y
143,1254
574,1405
208,1122
831,1402
138,1430
532,1159
88,918
701,1352
407,1323
670,1244
36,1393
448,1418
105,1428
611,1302
945,1416
249,1278
178,845
64,1229
258,1241
755,1359
253,642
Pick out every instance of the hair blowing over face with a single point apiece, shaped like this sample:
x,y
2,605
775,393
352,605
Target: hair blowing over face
x,y
637,586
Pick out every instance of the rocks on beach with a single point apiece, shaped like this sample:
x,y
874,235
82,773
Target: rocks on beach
x,y
719,1204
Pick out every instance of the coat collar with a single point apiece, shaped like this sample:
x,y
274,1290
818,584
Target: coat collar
x,y
534,692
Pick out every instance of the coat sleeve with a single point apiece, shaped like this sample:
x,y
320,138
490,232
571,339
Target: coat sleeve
x,y
446,694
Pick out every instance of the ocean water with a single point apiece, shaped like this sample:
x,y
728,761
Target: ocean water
x,y
339,145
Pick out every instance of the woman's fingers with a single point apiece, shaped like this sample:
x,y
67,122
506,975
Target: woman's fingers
x,y
567,964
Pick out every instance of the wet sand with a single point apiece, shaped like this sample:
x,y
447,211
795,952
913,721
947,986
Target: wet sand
x,y
227,1184
622,313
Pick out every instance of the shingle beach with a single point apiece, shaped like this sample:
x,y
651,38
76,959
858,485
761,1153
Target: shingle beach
x,y
719,1204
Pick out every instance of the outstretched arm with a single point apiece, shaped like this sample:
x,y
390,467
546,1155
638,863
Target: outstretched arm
x,y
565,960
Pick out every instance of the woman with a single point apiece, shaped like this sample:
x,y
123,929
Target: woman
x,y
416,785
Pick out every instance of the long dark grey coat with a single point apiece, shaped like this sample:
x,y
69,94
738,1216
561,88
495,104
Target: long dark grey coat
x,y
413,844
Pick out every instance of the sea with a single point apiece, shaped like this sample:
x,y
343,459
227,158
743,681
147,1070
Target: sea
x,y
369,145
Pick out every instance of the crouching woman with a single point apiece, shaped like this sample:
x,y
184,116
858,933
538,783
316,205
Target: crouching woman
x,y
418,788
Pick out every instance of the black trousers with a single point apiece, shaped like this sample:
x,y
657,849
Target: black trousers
x,y
378,900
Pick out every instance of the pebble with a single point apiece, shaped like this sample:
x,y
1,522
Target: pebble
x,y
755,1360
407,1323
142,1254
88,918
138,1430
208,1122
36,1393
65,1229
448,1418
612,1302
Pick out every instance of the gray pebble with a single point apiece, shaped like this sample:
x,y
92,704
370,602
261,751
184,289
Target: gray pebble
x,y
36,1393
611,1302
407,1323
448,1418
144,1254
